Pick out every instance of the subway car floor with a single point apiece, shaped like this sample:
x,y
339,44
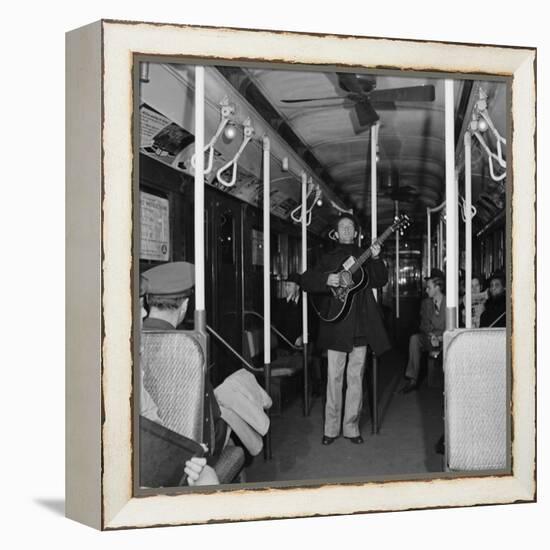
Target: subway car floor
x,y
409,428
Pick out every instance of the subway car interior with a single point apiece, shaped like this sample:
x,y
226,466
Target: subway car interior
x,y
245,172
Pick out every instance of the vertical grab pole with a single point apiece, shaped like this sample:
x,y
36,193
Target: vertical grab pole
x,y
373,189
468,227
304,294
429,226
200,314
451,199
267,276
443,250
438,242
442,247
374,236
396,264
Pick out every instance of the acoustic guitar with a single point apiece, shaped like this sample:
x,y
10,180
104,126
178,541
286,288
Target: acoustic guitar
x,y
352,278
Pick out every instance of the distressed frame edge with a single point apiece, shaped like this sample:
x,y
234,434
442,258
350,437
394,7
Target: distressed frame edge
x,y
83,323
524,486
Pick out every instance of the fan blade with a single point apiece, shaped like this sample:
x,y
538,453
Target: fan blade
x,y
301,100
321,105
366,114
412,93
384,105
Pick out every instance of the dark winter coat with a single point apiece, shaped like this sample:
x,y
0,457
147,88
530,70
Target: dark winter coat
x,y
494,312
364,323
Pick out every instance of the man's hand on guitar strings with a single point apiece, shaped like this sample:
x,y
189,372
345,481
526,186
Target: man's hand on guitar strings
x,y
333,280
376,248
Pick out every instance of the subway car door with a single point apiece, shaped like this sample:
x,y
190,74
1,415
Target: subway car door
x,y
223,280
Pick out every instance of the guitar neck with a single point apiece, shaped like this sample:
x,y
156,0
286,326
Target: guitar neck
x,y
368,253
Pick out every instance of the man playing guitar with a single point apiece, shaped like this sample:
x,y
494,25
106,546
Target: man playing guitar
x,y
345,336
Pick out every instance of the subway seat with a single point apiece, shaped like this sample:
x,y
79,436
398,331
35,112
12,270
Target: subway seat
x,y
475,399
175,371
284,365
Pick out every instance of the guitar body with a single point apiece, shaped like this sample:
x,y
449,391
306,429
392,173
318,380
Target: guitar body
x,y
336,306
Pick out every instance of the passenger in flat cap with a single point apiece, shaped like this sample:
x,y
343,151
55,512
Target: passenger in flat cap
x,y
198,472
168,288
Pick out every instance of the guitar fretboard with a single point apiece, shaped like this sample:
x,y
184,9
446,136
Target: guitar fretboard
x,y
368,253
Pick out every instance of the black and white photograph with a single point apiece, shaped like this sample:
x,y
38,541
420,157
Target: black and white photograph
x,y
275,275
309,272
330,303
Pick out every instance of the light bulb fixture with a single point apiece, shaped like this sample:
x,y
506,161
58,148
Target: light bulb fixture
x,y
320,202
230,132
482,125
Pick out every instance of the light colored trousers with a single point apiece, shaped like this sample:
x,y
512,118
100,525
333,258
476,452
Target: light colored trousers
x,y
354,391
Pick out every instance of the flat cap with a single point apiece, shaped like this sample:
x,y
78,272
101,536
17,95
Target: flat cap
x,y
170,279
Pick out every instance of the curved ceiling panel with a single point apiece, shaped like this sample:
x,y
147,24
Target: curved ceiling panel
x,y
328,114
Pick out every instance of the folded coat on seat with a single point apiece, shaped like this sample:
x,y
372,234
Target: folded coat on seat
x,y
242,402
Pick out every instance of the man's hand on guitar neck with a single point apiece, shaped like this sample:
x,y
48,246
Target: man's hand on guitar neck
x,y
375,248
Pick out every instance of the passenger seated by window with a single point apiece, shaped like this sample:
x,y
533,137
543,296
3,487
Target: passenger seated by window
x,y
168,289
479,296
494,314
198,472
432,326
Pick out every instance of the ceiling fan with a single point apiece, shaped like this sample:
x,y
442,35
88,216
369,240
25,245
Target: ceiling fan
x,y
360,92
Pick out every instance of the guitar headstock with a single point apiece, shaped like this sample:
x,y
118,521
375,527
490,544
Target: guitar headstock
x,y
401,223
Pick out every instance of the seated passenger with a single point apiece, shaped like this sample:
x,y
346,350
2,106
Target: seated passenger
x,y
478,302
289,313
432,326
494,314
479,296
288,320
168,288
198,472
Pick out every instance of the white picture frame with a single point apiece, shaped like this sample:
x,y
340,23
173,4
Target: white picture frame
x,y
100,333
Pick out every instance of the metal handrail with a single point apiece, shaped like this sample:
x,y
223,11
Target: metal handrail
x,y
228,346
275,330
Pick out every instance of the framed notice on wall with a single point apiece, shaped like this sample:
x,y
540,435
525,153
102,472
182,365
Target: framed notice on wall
x,y
155,228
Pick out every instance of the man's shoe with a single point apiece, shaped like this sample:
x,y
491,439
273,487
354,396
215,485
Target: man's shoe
x,y
328,440
356,440
409,386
